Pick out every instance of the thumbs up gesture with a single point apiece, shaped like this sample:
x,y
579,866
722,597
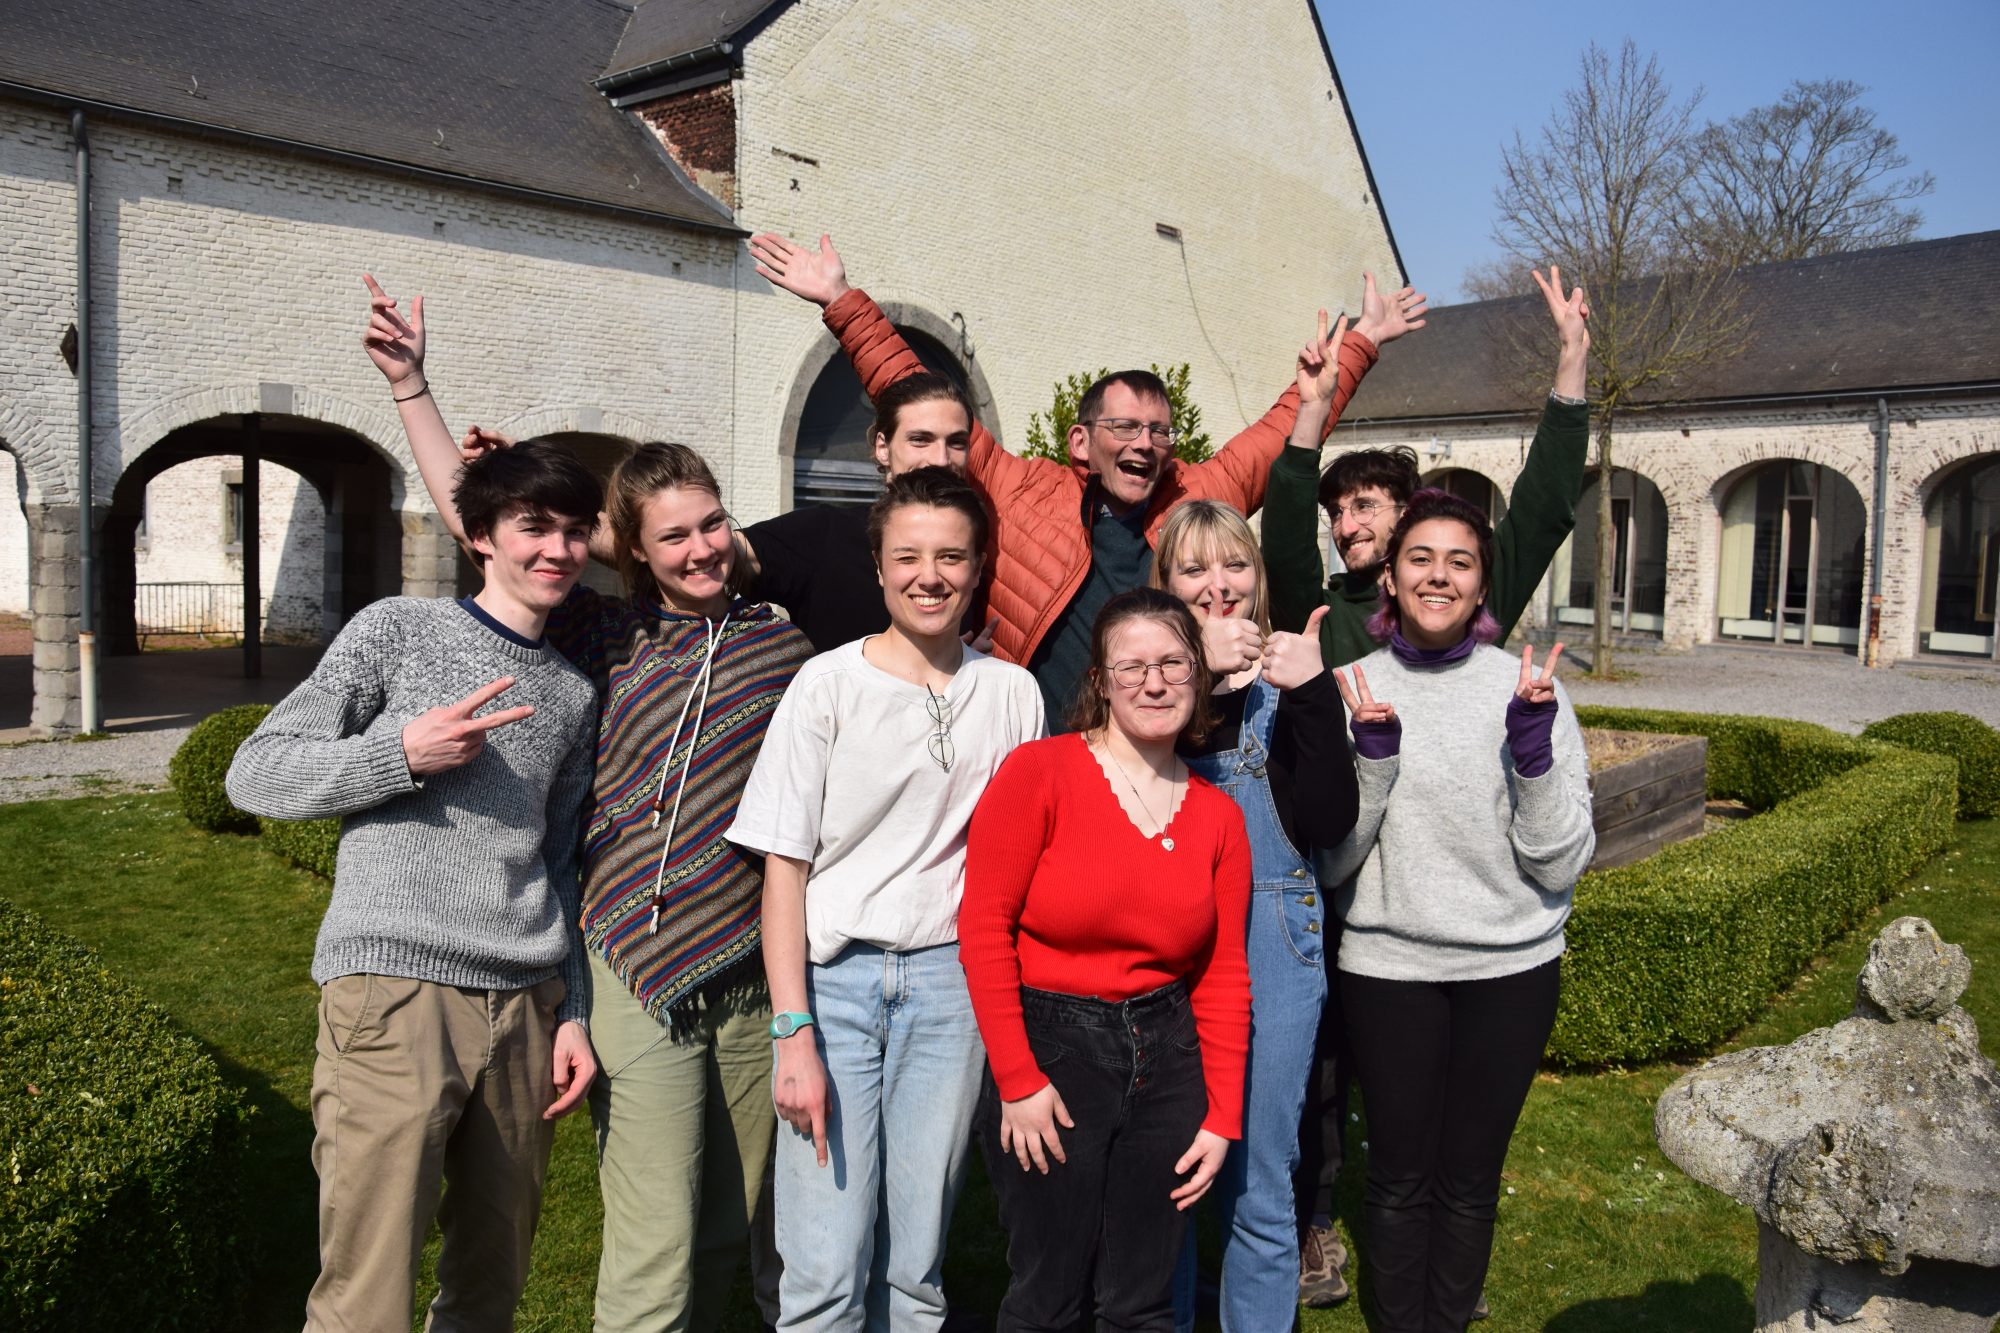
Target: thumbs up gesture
x,y
1290,660
449,735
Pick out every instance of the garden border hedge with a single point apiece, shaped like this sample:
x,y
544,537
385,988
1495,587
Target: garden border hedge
x,y
118,1197
1670,955
1965,738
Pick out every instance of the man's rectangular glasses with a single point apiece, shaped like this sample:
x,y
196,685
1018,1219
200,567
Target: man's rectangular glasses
x,y
1124,428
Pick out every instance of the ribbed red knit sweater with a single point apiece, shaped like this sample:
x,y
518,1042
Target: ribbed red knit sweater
x,y
1062,893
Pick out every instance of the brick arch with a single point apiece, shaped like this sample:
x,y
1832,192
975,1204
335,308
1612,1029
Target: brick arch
x,y
378,427
574,420
1933,468
1731,464
39,459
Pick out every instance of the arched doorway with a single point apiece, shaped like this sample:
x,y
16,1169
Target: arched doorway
x,y
1638,557
1794,537
832,461
347,496
1962,561
1475,488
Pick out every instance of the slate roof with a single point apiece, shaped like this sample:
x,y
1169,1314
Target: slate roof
x,y
663,29
507,84
1897,318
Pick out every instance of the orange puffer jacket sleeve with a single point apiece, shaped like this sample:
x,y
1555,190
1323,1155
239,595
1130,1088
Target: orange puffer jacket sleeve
x,y
1041,548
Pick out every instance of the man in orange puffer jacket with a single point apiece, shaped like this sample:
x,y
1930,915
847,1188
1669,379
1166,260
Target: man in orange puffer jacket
x,y
1066,539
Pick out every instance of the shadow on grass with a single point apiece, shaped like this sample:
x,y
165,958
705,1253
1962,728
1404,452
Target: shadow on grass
x,y
277,1225
1713,1301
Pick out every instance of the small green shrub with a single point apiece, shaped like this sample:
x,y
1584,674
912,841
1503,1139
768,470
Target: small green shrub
x,y
198,768
1670,955
119,1145
310,844
1971,742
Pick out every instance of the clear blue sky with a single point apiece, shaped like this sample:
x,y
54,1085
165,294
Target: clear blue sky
x,y
1437,86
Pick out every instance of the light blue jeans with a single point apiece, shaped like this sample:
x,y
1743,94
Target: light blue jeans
x,y
863,1237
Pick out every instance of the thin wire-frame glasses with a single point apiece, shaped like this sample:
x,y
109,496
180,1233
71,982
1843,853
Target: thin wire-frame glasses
x,y
939,708
1174,671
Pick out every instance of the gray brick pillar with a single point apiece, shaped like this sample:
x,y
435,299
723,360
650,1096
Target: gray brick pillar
x,y
429,556
55,601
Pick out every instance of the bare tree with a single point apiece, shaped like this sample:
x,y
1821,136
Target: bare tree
x,y
1812,174
1604,191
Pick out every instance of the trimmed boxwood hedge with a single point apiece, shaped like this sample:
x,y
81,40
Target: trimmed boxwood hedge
x,y
1670,955
201,763
310,844
119,1148
198,770
1971,742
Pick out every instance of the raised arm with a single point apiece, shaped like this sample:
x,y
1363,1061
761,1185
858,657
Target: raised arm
x,y
1541,511
1240,472
396,344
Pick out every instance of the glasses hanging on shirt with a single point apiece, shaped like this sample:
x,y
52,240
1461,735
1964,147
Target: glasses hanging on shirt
x,y
939,708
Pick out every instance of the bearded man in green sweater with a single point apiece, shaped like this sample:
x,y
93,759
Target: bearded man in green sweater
x,y
1363,493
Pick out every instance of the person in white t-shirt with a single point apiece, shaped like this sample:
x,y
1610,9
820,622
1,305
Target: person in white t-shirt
x,y
860,799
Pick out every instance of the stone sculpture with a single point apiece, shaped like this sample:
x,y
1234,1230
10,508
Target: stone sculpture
x,y
1869,1151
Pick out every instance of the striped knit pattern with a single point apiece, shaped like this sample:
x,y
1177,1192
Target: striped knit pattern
x,y
645,662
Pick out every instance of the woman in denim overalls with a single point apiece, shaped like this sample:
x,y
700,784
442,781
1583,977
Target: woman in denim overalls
x,y
1286,764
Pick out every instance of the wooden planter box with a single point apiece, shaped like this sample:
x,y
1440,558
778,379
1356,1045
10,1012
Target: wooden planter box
x,y
1644,803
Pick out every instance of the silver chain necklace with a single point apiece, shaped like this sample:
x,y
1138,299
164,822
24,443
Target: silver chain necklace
x,y
1166,843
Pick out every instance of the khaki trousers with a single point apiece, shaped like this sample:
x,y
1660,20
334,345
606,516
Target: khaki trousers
x,y
684,1130
421,1088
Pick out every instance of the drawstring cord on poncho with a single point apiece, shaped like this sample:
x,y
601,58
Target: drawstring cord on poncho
x,y
706,676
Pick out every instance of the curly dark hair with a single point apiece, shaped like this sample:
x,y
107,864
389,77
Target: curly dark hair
x,y
1429,503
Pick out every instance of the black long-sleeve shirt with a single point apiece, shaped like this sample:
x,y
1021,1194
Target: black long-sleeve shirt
x,y
1311,770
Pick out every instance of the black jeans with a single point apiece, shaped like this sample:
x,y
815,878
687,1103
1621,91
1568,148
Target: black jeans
x,y
1323,1125
1444,1068
1100,1230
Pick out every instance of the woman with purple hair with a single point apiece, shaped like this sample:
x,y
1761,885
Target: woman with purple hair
x,y
1473,828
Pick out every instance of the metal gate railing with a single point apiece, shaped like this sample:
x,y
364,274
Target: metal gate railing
x,y
207,609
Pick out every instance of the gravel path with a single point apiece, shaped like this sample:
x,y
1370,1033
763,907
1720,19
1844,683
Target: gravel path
x,y
48,770
1813,687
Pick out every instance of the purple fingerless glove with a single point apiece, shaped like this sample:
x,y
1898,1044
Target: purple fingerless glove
x,y
1379,740
1530,728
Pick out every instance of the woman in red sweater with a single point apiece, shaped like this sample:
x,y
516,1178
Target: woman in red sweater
x,y
1102,937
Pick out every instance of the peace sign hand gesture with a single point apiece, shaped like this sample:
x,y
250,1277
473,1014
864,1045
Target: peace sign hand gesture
x,y
1536,690
1319,370
1570,313
395,344
1361,705
449,735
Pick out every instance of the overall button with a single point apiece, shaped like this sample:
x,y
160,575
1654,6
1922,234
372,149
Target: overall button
x,y
1312,927
1300,873
1308,900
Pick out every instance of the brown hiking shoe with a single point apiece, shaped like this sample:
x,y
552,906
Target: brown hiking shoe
x,y
1321,1257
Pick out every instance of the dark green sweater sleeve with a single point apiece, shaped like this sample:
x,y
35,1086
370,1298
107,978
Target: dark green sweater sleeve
x,y
1291,539
1540,513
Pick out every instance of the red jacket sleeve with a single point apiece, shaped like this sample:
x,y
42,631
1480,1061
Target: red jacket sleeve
x,y
1219,986
1010,828
1238,473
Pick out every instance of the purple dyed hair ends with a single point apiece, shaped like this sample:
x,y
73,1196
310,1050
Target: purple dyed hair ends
x,y
1428,503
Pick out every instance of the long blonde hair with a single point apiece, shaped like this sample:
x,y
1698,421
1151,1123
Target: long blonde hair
x,y
1211,530
649,469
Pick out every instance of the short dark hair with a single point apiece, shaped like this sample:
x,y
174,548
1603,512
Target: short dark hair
x,y
933,488
538,476
1091,711
1393,471
1142,382
1428,503
923,387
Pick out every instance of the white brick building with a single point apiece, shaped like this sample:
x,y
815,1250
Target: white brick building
x,y
1032,189
1746,500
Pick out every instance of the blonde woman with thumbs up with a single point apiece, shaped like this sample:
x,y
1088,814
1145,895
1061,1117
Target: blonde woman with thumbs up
x,y
1280,752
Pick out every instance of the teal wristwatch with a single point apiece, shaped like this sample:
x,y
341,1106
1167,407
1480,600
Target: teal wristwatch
x,y
784,1025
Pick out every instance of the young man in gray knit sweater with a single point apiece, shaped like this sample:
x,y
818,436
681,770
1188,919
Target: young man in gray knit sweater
x,y
452,982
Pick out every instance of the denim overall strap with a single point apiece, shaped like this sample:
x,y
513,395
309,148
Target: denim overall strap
x,y
1244,775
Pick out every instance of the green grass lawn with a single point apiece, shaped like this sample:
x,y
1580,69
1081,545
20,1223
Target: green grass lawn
x,y
1598,1233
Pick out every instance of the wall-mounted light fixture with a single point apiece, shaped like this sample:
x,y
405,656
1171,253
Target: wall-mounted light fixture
x,y
1438,449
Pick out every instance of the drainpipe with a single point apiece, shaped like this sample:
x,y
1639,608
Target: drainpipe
x,y
1881,528
86,527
